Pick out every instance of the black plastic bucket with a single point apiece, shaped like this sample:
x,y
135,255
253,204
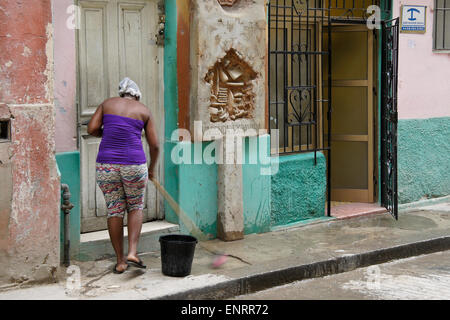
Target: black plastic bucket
x,y
177,253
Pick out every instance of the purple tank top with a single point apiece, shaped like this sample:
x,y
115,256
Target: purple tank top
x,y
121,141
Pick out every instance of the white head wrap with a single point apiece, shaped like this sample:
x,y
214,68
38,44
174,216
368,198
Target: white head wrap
x,y
129,86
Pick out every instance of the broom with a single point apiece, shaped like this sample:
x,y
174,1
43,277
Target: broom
x,y
220,259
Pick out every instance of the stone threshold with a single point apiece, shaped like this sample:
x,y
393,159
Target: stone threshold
x,y
97,245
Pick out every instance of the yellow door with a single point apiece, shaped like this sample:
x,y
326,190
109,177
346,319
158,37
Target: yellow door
x,y
352,131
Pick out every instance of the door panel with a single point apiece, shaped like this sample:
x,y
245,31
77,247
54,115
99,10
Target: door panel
x,y
93,57
131,38
352,116
350,161
116,40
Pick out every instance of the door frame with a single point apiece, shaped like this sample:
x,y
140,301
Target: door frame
x,y
158,202
362,195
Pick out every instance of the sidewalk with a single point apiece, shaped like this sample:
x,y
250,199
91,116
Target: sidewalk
x,y
264,260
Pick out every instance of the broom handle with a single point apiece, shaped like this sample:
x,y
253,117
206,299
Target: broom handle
x,y
180,213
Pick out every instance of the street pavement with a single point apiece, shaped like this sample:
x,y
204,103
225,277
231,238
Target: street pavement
x,y
424,277
259,261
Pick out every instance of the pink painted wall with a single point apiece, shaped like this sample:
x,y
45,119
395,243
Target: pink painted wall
x,y
65,78
424,75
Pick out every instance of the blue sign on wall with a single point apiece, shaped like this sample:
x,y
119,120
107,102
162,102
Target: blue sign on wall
x,y
413,19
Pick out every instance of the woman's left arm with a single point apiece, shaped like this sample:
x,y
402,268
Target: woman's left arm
x,y
95,125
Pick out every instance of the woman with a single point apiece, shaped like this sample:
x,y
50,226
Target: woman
x,y
121,169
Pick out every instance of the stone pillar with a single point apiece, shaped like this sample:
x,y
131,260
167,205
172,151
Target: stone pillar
x,y
228,90
30,185
230,218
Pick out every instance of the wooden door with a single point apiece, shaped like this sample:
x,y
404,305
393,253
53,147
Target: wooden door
x,y
352,130
116,39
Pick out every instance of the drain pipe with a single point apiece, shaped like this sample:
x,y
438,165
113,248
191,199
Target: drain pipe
x,y
66,207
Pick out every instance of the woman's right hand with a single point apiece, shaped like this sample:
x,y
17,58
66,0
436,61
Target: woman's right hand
x,y
151,173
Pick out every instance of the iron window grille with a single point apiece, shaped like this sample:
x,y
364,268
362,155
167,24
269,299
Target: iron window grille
x,y
296,51
441,30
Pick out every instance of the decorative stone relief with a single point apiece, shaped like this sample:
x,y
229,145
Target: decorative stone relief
x,y
232,95
227,3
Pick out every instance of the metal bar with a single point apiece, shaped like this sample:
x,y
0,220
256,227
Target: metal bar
x,y
268,75
329,117
308,68
394,92
285,78
315,90
299,75
435,25
291,73
443,25
276,73
321,79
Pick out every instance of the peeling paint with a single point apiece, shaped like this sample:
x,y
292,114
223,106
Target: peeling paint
x,y
49,68
26,51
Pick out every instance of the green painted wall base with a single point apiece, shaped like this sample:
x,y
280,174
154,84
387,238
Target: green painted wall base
x,y
69,167
257,185
298,189
197,187
423,159
198,191
294,193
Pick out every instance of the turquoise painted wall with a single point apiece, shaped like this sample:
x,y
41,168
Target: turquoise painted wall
x,y
257,186
198,188
171,174
295,193
423,159
298,189
69,167
198,191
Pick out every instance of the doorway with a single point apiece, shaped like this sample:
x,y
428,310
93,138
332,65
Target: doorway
x,y
116,39
325,95
354,119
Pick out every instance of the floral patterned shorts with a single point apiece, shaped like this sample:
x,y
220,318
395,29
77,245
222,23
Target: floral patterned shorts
x,y
123,186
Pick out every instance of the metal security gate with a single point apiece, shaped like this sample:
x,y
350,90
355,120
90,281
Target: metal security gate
x,y
299,87
300,80
389,116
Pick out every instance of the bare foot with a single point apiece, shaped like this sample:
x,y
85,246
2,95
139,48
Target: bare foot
x,y
136,261
121,267
132,257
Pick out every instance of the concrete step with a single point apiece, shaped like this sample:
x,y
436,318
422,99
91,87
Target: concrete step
x,y
97,245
